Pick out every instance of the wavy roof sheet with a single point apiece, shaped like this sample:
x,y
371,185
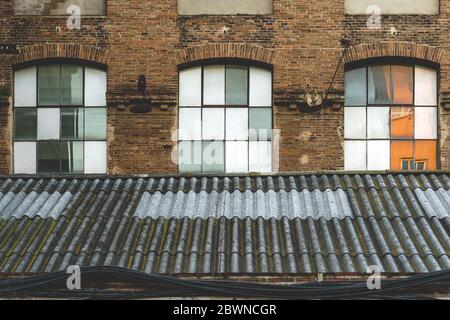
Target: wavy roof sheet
x,y
338,223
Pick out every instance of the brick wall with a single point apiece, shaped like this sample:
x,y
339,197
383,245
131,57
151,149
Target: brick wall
x,y
147,37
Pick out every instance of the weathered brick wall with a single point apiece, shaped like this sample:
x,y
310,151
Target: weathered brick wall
x,y
144,36
5,90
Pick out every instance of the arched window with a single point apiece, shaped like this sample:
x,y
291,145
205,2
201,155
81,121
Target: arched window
x,y
391,117
225,119
59,119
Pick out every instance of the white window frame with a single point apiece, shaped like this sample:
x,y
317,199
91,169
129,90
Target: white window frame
x,y
241,135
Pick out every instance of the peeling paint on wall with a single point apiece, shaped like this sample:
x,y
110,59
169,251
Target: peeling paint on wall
x,y
221,7
393,6
58,7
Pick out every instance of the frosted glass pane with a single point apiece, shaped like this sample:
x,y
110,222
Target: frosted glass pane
x,y
354,123
191,87
213,157
425,125
355,87
214,85
25,87
95,124
236,156
213,123
355,155
190,124
49,84
377,122
378,155
25,157
260,87
260,124
236,85
425,87
95,157
48,124
260,156
95,88
379,85
237,124
190,156
71,85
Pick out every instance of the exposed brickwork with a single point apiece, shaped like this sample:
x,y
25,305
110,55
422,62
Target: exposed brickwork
x,y
146,138
225,50
5,132
301,39
60,50
394,49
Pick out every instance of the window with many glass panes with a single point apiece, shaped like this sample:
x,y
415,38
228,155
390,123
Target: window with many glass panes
x,y
225,119
390,117
59,119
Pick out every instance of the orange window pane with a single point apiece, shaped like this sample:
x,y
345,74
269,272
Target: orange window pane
x,y
401,152
426,154
402,122
402,84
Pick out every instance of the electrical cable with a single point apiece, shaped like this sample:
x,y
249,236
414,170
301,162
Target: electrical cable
x,y
154,285
346,43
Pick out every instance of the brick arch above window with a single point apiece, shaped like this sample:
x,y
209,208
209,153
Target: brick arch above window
x,y
394,49
225,50
60,50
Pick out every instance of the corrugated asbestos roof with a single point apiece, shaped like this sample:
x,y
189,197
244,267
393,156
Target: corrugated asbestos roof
x,y
211,225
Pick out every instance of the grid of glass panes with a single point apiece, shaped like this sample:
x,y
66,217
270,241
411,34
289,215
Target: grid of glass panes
x,y
59,120
225,119
390,118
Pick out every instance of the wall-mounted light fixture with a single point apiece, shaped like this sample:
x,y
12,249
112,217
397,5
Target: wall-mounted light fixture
x,y
142,84
143,104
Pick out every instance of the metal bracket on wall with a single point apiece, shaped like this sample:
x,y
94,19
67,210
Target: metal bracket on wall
x,y
8,48
4,97
310,101
445,100
138,103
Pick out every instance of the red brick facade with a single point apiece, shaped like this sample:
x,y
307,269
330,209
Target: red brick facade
x,y
225,50
147,37
30,53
